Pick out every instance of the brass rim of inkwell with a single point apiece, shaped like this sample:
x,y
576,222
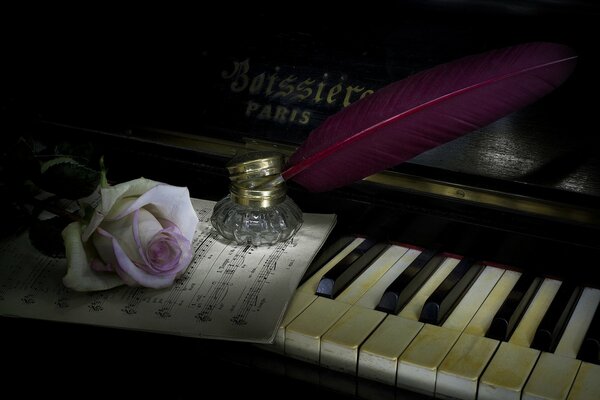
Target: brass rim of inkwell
x,y
262,198
251,178
255,164
258,177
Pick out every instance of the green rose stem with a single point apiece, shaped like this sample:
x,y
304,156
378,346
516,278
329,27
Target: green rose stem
x,y
103,171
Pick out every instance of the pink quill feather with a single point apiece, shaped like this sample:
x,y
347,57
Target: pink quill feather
x,y
426,110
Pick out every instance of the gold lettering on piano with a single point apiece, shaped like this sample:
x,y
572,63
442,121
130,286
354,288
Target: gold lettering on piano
x,y
277,113
285,97
304,89
320,87
257,83
239,76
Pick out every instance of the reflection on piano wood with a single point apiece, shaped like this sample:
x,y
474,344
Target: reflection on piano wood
x,y
443,325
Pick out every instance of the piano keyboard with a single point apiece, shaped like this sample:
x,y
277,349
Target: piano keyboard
x,y
444,326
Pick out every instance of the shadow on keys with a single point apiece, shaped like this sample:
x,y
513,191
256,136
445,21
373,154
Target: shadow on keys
x,y
320,382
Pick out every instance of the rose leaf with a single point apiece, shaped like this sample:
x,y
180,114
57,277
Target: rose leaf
x,y
68,178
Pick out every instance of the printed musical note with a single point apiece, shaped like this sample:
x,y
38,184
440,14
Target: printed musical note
x,y
250,301
228,291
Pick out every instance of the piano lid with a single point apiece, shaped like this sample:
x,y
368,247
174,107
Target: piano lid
x,y
255,75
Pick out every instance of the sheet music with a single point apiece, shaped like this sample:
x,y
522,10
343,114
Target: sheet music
x,y
228,291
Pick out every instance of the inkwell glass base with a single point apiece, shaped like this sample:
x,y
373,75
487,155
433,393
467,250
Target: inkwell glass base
x,y
257,210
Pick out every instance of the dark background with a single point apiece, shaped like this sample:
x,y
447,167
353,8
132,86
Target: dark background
x,y
158,66
117,68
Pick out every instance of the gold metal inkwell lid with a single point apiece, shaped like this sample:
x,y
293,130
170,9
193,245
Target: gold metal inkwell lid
x,y
255,165
253,179
257,209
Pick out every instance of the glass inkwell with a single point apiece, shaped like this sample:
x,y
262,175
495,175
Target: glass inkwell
x,y
257,209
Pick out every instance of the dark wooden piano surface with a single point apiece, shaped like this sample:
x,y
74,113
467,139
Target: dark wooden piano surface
x,y
124,82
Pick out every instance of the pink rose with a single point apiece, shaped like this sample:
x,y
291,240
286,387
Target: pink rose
x,y
140,234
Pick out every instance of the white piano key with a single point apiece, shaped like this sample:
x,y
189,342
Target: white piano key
x,y
459,372
589,350
305,295
505,376
338,278
303,335
586,385
551,378
572,337
503,382
371,298
525,330
474,298
310,286
339,345
298,303
372,275
418,365
378,356
484,315
412,310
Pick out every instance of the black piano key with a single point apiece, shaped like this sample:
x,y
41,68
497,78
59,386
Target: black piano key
x,y
443,300
555,320
405,286
590,347
513,308
339,277
326,255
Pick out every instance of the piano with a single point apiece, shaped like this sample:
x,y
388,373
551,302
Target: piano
x,y
467,272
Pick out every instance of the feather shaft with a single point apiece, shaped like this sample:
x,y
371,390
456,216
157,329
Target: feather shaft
x,y
426,110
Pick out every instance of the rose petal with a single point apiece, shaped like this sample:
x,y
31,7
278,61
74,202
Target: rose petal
x,y
169,202
111,195
179,251
98,266
126,278
137,237
103,245
125,265
80,276
123,230
146,234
